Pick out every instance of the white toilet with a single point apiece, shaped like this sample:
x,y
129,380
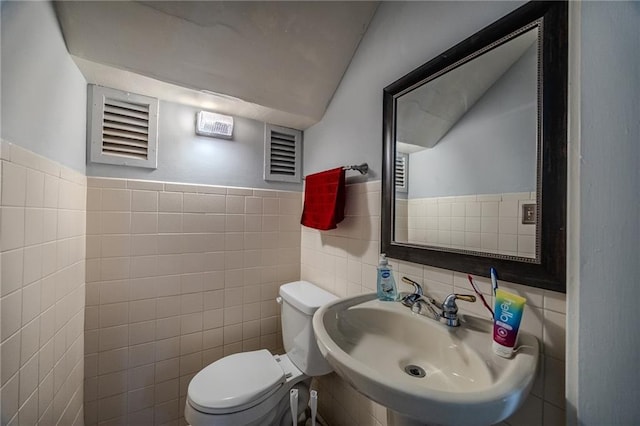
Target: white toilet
x,y
252,388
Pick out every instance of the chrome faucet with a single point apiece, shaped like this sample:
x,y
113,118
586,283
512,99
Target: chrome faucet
x,y
448,309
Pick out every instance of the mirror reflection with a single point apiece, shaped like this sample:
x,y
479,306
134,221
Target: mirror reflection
x,y
466,154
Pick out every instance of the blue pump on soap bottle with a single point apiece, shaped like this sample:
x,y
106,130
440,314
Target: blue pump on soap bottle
x,y
387,290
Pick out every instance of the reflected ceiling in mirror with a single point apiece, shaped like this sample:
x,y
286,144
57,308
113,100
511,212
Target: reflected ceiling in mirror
x,y
468,138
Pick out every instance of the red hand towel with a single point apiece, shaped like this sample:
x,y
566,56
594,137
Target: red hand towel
x,y
324,199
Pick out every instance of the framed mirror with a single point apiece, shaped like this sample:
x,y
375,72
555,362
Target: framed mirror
x,y
474,157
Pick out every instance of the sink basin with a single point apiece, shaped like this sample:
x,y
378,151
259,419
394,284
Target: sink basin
x,y
422,369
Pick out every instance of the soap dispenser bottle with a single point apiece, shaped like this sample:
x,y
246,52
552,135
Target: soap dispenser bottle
x,y
387,289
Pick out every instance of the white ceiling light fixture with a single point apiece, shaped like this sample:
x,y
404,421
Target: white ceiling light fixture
x,y
214,125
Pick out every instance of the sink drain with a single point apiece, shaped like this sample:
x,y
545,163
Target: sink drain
x,y
415,371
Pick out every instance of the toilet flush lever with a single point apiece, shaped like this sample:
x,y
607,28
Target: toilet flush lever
x,y
279,300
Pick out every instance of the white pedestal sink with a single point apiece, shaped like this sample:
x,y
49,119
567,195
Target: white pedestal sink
x,y
423,370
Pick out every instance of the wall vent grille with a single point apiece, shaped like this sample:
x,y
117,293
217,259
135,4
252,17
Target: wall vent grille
x,y
123,128
402,172
283,154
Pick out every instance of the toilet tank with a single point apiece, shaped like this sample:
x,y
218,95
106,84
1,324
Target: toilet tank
x,y
300,300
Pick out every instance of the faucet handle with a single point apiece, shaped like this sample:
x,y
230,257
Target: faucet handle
x,y
450,309
449,304
417,288
465,297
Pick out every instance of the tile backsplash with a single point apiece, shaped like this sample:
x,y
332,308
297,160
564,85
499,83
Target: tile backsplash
x,y
344,261
177,277
42,289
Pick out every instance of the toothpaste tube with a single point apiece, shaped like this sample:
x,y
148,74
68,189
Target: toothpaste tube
x,y
508,314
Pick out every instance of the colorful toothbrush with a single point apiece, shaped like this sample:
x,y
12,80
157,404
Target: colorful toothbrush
x,y
494,279
484,302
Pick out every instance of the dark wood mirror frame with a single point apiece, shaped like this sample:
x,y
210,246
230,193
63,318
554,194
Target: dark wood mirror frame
x,y
549,270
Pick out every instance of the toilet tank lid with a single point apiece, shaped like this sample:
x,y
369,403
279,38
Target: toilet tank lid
x,y
305,296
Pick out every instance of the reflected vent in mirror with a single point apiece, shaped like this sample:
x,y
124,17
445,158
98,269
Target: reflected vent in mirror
x,y
123,128
402,172
282,154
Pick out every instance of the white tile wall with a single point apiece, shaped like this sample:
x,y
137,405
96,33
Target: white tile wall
x,y
177,277
491,223
42,289
180,275
344,261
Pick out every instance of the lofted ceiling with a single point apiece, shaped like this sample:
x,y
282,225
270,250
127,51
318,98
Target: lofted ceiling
x,y
278,62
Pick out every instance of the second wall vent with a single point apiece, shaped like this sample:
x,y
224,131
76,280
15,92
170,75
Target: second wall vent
x,y
282,154
402,172
124,128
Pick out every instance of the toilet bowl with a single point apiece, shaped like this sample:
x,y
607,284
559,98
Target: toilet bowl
x,y
252,388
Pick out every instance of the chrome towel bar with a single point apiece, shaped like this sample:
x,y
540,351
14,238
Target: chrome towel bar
x,y
362,168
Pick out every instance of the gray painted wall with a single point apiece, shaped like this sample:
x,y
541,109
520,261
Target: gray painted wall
x,y
44,109
186,157
401,36
605,295
492,148
43,92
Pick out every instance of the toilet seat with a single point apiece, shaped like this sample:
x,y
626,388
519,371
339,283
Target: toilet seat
x,y
236,382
